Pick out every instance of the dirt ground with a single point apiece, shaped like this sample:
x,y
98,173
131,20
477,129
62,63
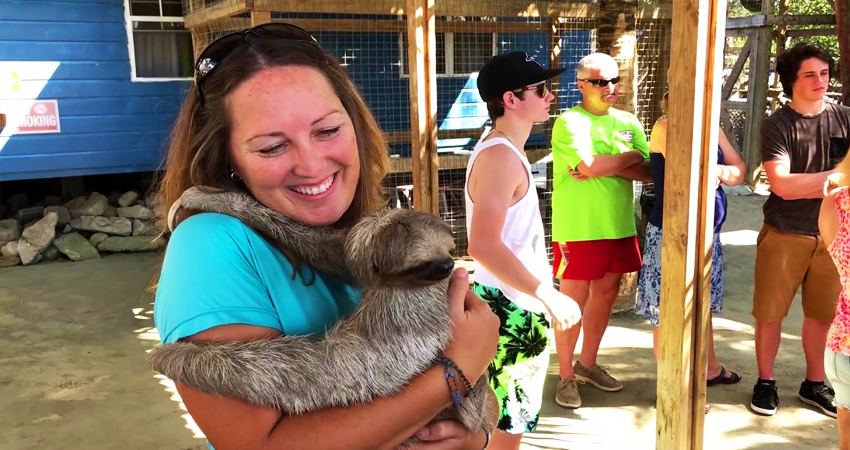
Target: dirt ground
x,y
73,375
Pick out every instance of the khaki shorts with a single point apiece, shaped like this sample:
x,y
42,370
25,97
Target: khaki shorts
x,y
784,261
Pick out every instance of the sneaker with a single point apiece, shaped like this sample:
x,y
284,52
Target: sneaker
x,y
566,394
820,395
765,397
597,376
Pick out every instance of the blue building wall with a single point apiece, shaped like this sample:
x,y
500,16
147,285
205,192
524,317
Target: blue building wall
x,y
109,124
373,61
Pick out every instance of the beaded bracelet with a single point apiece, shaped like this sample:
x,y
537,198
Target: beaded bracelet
x,y
452,384
449,364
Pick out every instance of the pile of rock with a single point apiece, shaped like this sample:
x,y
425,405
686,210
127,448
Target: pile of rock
x,y
80,229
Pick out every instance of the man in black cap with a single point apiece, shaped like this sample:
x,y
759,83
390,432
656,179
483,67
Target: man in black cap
x,y
506,240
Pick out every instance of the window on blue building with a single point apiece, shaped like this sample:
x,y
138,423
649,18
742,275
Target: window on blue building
x,y
458,54
160,46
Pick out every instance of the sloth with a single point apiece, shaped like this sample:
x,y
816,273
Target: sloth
x,y
401,262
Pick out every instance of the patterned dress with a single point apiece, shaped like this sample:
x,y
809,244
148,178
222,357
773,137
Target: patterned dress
x,y
838,339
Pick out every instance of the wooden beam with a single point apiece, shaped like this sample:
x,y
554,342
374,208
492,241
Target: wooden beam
x,y
422,60
813,19
746,22
458,162
694,107
762,20
375,25
809,32
736,70
218,11
394,137
502,8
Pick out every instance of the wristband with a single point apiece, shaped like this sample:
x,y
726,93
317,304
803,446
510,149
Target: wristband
x,y
453,389
449,364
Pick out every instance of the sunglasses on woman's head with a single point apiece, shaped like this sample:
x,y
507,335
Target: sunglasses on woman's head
x,y
601,82
540,89
225,45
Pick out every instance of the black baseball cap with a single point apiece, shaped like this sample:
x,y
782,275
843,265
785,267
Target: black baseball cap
x,y
509,72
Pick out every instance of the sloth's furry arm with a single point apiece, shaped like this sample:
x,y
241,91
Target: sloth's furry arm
x,y
319,247
358,359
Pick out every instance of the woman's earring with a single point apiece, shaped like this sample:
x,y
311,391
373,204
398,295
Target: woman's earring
x,y
234,177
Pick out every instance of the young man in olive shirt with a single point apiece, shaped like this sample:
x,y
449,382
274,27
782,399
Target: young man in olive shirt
x,y
800,144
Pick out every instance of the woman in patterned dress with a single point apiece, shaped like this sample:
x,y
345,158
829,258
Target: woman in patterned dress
x,y
730,170
834,225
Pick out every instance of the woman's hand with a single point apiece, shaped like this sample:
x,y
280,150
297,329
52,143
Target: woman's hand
x,y
475,334
449,435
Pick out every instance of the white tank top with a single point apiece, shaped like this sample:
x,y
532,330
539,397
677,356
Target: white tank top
x,y
522,233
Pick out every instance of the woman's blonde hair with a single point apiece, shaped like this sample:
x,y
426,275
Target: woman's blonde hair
x,y
198,153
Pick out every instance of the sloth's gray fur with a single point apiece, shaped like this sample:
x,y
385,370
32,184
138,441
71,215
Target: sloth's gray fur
x,y
400,261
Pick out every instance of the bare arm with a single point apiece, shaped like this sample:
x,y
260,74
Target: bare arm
x,y
607,165
383,424
828,217
732,172
492,184
492,194
636,172
793,186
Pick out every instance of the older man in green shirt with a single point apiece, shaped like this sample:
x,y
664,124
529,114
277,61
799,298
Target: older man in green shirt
x,y
598,150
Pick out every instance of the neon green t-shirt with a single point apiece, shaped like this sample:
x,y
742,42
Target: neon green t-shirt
x,y
600,207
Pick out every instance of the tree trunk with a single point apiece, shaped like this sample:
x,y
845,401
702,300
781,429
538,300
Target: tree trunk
x,y
842,15
616,35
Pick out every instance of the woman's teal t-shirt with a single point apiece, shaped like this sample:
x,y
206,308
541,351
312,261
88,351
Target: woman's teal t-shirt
x,y
218,271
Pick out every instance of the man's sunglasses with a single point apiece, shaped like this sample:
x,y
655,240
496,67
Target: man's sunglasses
x,y
225,45
540,89
601,82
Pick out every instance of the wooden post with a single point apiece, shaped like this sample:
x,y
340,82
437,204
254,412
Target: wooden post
x,y
260,17
842,15
694,111
761,38
555,50
422,60
200,39
781,38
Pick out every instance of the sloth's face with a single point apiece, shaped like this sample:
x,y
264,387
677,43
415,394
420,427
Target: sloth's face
x,y
402,248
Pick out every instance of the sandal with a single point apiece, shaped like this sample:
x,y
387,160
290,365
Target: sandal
x,y
723,379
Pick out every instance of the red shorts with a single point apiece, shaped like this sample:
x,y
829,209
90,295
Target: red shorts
x,y
591,260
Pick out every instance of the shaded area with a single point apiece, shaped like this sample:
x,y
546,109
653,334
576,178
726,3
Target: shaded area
x,y
73,374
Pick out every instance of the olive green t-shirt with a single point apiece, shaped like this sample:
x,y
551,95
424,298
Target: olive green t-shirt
x,y
600,207
809,145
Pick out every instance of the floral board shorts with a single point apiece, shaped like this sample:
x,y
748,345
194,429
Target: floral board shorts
x,y
519,370
649,280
